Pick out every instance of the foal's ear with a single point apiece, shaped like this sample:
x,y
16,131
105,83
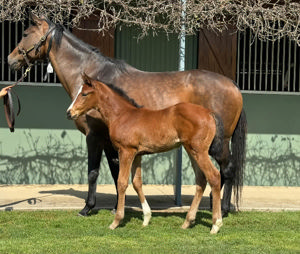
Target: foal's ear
x,y
86,79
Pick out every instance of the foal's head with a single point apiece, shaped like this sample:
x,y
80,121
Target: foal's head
x,y
85,100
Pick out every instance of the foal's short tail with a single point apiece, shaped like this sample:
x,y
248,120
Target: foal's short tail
x,y
238,155
216,147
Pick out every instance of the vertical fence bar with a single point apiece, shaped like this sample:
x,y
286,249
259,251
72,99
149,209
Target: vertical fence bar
x,y
295,66
9,45
272,66
266,65
244,59
238,59
255,62
2,52
260,66
16,43
298,51
249,61
289,65
283,64
22,35
277,66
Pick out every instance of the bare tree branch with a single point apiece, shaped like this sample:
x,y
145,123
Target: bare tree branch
x,y
268,19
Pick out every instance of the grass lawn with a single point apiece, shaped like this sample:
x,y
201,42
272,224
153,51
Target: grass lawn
x,y
64,232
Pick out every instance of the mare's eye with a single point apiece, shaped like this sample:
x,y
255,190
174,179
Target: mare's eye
x,y
84,94
25,35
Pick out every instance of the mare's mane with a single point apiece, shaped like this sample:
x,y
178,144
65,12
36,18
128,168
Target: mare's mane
x,y
59,29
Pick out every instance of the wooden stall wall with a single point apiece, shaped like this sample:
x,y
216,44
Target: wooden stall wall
x,y
217,52
105,42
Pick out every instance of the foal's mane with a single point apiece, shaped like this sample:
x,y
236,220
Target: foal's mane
x,y
123,94
59,32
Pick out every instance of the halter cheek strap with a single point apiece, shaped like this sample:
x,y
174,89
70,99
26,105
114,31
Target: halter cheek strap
x,y
37,46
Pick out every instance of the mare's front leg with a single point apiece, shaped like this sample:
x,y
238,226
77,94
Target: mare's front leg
x,y
136,173
126,157
95,147
113,162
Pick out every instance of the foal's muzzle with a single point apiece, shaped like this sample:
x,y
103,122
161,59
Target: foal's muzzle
x,y
69,115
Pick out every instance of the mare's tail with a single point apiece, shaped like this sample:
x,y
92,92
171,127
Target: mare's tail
x,y
238,155
216,147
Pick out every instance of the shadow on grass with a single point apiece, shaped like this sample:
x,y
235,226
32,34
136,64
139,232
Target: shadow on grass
x,y
201,218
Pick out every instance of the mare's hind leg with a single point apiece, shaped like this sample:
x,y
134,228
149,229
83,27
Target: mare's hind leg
x,y
227,177
126,158
200,187
136,173
95,147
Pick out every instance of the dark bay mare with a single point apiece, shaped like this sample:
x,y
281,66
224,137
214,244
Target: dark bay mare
x,y
135,131
70,57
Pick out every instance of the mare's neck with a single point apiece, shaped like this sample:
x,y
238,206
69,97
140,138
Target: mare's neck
x,y
70,59
111,105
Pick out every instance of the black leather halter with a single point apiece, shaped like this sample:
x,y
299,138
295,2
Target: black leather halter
x,y
36,46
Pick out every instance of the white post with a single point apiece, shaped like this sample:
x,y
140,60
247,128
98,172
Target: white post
x,y
181,67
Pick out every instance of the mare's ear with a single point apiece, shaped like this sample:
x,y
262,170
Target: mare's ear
x,y
35,19
86,79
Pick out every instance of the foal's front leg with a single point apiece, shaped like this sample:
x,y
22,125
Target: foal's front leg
x,y
126,158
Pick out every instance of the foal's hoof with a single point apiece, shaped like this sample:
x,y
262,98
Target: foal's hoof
x,y
188,224
147,218
113,211
216,227
113,226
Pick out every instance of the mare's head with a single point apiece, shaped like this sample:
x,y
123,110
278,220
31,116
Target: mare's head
x,y
33,45
85,100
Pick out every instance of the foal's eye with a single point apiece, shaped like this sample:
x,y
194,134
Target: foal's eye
x,y
25,35
84,94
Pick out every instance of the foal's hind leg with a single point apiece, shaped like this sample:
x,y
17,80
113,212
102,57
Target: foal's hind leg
x,y
213,177
136,173
200,187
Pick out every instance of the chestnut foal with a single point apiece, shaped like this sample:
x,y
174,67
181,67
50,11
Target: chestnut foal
x,y
135,131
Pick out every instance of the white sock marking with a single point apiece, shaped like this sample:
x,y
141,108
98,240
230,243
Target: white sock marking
x,y
146,212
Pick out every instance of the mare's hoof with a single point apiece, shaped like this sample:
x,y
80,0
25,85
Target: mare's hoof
x,y
225,213
84,212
